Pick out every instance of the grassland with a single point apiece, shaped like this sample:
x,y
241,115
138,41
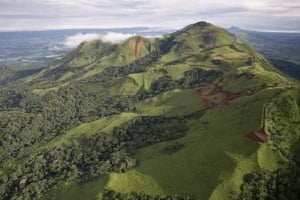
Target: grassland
x,y
213,150
102,125
172,103
215,156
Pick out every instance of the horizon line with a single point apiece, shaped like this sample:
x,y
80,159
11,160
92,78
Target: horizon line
x,y
139,27
87,28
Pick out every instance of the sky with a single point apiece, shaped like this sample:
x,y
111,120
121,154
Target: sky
x,y
267,15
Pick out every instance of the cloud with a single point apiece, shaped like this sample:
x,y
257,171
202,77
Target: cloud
x,y
53,14
73,41
115,37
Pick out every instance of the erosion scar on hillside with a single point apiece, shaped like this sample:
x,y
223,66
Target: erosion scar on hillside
x,y
137,47
259,135
225,96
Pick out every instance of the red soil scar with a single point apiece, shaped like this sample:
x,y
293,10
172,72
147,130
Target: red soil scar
x,y
226,95
204,99
137,47
259,136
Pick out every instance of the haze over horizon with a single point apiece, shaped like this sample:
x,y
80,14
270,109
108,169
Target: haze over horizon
x,y
267,15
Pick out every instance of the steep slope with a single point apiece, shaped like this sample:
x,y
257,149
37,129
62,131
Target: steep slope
x,y
9,75
280,48
196,114
91,58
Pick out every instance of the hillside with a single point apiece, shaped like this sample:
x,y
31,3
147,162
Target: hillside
x,y
280,48
196,114
9,75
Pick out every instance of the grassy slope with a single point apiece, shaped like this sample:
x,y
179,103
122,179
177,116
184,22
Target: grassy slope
x,y
214,147
215,156
105,124
91,58
201,167
171,103
89,190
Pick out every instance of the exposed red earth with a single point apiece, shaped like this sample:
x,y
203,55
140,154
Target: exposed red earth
x,y
259,135
137,47
226,96
205,100
229,96
210,37
218,90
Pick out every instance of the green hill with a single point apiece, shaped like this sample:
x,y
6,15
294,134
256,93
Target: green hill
x,y
9,75
196,114
280,48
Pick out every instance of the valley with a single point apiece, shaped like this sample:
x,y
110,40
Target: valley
x,y
280,48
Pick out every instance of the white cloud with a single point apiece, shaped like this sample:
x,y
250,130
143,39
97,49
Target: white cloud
x,y
53,14
115,37
74,40
154,36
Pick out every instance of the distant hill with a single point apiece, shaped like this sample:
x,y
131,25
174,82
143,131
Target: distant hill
x,y
281,48
35,49
194,114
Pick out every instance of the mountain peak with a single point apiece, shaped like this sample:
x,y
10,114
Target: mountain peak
x,y
197,25
201,23
234,29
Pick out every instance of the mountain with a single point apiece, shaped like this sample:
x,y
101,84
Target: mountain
x,y
196,114
35,49
235,29
280,48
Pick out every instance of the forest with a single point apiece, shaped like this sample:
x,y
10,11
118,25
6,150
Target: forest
x,y
28,121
